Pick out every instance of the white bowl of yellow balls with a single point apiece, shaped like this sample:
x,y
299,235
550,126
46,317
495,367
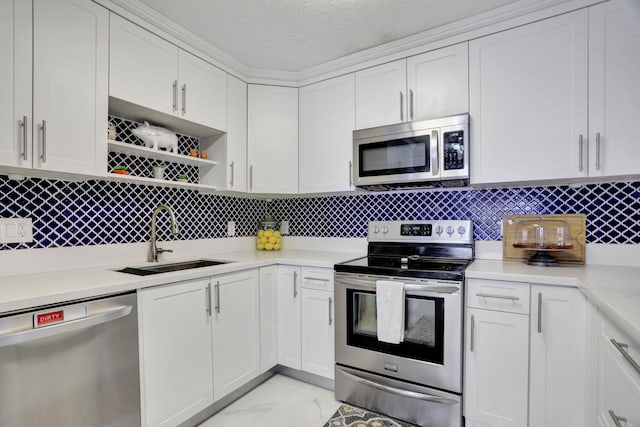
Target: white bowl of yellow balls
x,y
268,240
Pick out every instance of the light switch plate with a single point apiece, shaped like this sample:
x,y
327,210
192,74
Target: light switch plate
x,y
16,230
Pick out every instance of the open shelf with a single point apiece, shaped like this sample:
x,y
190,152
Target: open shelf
x,y
154,181
137,150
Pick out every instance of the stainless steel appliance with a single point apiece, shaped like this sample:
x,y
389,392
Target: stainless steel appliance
x,y
420,379
71,365
426,153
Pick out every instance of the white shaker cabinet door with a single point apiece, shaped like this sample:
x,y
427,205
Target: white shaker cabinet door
x,y
557,389
289,312
15,83
268,317
70,86
236,331
175,352
272,139
142,67
327,119
236,174
438,82
381,95
202,92
528,101
318,332
614,88
496,368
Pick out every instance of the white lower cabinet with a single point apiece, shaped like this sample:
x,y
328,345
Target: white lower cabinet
x,y
289,306
557,389
525,355
175,352
236,330
496,368
268,317
317,336
618,378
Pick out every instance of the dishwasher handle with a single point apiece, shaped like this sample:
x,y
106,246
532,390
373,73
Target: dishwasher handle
x,y
74,325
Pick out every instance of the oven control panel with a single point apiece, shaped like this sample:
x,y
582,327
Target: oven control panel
x,y
436,231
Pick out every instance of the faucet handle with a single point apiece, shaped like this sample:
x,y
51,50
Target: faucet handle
x,y
160,250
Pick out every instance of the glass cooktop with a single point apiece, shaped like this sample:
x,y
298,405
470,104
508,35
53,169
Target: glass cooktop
x,y
423,267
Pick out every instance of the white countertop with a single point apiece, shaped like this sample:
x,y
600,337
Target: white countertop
x,y
23,291
614,290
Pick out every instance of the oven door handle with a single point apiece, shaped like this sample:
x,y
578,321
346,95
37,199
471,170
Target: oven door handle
x,y
404,393
408,287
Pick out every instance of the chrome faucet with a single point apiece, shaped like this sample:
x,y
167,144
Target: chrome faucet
x,y
153,249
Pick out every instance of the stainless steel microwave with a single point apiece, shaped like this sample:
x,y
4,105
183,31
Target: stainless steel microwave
x,y
427,153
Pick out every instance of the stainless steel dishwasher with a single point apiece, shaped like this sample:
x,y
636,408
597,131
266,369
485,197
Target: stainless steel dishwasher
x,y
71,365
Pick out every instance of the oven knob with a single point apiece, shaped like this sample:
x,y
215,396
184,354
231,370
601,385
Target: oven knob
x,y
439,230
385,230
461,231
376,230
450,230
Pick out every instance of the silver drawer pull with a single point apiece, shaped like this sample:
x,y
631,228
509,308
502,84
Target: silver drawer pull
x,y
320,279
621,347
24,137
509,297
616,419
330,317
472,344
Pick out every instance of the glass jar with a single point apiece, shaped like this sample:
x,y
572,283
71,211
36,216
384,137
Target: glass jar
x,y
268,237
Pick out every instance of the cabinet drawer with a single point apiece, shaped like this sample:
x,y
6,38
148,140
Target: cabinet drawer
x,y
317,278
611,331
618,387
511,297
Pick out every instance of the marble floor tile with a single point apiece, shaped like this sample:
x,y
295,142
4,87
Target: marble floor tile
x,y
281,401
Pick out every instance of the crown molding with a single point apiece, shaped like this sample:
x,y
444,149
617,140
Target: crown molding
x,y
499,19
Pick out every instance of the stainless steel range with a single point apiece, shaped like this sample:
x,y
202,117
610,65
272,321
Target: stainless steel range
x,y
419,378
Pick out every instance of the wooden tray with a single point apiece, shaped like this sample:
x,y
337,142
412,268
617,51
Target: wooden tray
x,y
577,226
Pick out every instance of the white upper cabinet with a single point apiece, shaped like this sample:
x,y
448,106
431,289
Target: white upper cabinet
x,y
272,139
528,101
68,40
236,135
438,82
150,72
381,95
327,120
614,88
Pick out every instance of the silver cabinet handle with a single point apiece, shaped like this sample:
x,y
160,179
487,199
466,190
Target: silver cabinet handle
x,y
597,150
231,166
496,296
616,419
320,279
435,153
184,99
330,317
25,135
43,155
539,312
175,96
251,178
350,173
410,104
401,107
74,325
621,348
217,297
580,145
472,338
295,279
209,299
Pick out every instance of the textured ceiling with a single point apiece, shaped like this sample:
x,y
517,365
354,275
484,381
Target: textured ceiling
x,y
294,35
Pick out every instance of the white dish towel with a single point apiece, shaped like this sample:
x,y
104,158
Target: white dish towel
x,y
390,311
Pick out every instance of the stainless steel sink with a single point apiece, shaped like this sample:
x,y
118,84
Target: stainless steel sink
x,y
166,268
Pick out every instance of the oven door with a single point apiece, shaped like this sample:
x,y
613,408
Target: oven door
x,y
431,351
394,158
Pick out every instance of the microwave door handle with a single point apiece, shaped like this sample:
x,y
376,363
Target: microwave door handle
x,y
434,152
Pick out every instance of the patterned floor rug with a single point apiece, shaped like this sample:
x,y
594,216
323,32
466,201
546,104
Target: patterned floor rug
x,y
348,416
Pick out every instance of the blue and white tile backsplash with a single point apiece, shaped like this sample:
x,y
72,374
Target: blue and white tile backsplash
x,y
69,213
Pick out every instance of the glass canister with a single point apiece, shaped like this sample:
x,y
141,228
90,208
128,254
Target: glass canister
x,y
269,238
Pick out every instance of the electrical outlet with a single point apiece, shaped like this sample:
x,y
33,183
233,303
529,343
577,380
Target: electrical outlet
x,y
284,227
231,228
16,230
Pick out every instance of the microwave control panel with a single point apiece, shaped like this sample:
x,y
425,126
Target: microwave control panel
x,y
453,146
